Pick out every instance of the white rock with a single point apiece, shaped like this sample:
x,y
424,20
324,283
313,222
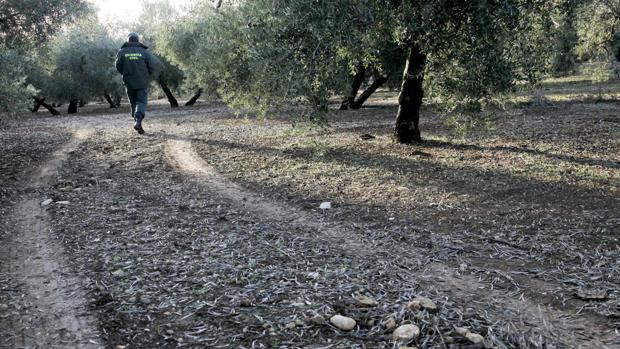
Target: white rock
x,y
474,338
422,302
313,275
461,331
317,320
343,322
325,205
390,323
366,301
408,348
4,307
406,332
290,325
47,202
62,202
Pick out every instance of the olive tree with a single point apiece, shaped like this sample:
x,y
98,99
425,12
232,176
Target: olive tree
x,y
80,65
598,28
24,25
263,53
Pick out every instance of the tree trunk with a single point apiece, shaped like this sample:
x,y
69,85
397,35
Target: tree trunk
x,y
173,101
117,100
37,104
407,128
41,102
358,79
73,105
81,103
193,100
109,100
378,82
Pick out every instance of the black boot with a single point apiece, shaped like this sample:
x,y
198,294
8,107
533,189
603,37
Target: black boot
x,y
138,125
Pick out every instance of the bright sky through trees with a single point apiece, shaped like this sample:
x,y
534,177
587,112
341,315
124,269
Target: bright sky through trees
x,y
114,11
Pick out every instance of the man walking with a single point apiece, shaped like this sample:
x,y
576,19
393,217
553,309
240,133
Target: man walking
x,y
136,63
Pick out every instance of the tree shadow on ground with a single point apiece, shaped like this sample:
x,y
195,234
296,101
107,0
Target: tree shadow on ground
x,y
480,185
609,164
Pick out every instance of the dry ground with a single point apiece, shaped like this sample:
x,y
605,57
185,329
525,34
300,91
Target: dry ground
x,y
207,233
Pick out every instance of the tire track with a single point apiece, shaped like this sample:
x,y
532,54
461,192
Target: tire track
x,y
52,307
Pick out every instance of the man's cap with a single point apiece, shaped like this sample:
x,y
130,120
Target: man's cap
x,y
133,37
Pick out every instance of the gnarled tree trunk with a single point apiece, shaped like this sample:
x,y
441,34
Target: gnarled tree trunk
x,y
194,98
109,100
37,104
173,101
407,129
41,102
73,105
358,79
378,82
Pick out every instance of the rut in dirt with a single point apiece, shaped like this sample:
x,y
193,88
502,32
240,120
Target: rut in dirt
x,y
522,313
52,307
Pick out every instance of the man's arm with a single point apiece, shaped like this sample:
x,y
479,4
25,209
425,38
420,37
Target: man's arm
x,y
150,64
119,63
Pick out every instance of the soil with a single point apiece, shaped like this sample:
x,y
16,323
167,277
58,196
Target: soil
x,y
207,233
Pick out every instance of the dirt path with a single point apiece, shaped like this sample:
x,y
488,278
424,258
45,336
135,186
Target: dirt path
x,y
177,254
525,313
51,311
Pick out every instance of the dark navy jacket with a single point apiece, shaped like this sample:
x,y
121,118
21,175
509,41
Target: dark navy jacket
x,y
136,64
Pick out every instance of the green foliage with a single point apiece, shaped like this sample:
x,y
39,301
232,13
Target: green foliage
x,y
27,23
24,24
598,29
256,55
476,50
79,64
565,38
14,92
260,54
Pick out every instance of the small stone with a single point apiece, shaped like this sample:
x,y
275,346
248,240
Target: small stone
x,y
246,303
342,322
408,348
290,325
390,324
47,202
62,202
474,338
317,320
4,307
145,300
325,205
462,331
121,346
313,275
366,301
118,272
406,332
422,302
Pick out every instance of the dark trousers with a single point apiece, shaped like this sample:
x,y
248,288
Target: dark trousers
x,y
138,100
